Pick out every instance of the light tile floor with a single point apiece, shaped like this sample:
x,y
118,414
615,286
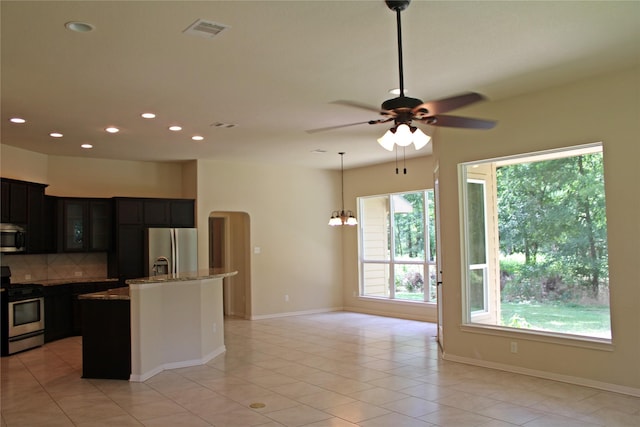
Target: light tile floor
x,y
324,370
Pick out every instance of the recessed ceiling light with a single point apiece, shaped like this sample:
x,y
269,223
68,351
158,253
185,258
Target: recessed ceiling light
x,y
86,146
55,134
148,115
197,137
175,128
318,151
79,27
112,129
17,120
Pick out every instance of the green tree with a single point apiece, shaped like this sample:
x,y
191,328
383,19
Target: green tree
x,y
553,212
409,227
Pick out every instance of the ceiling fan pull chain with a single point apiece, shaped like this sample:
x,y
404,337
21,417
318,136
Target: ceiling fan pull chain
x,y
397,160
404,159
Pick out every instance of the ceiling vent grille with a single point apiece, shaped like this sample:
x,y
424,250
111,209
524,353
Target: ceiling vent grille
x,y
204,28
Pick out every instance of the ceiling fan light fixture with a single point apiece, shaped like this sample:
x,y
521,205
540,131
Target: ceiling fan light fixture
x,y
404,135
420,139
387,141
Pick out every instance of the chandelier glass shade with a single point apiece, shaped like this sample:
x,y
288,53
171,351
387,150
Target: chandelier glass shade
x,y
342,217
404,135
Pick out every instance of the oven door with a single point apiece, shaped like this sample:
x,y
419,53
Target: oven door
x,y
26,316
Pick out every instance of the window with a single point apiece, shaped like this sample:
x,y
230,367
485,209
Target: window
x,y
535,243
397,246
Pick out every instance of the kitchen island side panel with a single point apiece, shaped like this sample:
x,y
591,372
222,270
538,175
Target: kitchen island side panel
x,y
174,325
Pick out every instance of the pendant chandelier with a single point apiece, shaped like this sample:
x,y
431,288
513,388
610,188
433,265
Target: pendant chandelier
x,y
342,217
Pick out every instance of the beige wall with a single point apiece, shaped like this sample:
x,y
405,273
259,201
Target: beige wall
x,y
302,257
373,180
288,207
605,109
81,177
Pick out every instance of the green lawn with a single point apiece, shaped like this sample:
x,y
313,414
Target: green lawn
x,y
565,318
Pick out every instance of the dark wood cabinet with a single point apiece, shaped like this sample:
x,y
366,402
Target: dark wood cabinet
x,y
106,339
23,203
85,225
62,312
128,211
157,213
182,213
18,203
58,312
132,216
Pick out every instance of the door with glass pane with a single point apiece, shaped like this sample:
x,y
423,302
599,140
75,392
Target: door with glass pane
x,y
436,191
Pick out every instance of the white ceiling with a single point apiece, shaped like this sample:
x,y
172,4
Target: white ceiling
x,y
275,72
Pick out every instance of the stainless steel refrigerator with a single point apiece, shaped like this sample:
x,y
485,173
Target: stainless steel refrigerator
x,y
171,251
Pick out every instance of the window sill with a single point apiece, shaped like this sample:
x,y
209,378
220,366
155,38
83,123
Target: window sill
x,y
602,344
395,301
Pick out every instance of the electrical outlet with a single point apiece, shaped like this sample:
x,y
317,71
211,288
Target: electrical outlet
x,y
215,328
78,273
514,347
27,277
286,298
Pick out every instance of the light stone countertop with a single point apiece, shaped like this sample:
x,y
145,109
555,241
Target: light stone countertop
x,y
111,294
213,273
56,282
123,293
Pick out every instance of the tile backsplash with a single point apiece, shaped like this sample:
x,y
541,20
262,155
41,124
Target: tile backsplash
x,y
26,268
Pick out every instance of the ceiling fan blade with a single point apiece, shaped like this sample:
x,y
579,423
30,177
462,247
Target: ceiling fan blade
x,y
371,122
447,104
459,122
357,105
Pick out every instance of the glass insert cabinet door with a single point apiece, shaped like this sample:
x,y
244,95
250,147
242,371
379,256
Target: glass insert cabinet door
x,y
74,225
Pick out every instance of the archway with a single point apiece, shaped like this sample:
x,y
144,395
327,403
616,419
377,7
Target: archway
x,y
230,248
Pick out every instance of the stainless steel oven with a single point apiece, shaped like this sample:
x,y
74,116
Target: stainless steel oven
x,y
26,324
13,238
23,316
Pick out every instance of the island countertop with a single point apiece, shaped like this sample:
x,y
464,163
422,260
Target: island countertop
x,y
109,294
212,273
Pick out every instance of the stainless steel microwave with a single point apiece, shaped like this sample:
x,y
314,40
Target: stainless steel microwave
x,y
13,238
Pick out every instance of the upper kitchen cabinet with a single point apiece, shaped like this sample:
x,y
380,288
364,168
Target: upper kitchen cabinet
x,y
23,203
15,200
169,213
182,213
85,225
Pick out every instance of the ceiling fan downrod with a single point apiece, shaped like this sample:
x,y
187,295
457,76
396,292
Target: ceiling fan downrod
x,y
398,6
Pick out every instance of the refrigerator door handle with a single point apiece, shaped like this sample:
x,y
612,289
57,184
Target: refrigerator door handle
x,y
174,251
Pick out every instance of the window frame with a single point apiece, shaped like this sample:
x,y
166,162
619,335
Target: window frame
x,y
391,261
468,324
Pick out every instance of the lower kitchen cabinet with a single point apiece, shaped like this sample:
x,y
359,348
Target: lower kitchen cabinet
x,y
58,311
62,311
106,339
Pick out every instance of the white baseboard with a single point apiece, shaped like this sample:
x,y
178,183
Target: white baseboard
x,y
175,365
632,391
295,313
407,316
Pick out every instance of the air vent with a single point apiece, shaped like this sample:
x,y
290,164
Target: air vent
x,y
223,125
204,28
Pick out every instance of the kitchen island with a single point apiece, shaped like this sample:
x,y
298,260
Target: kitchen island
x,y
175,320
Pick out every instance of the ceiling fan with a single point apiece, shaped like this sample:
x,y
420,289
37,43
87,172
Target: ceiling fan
x,y
403,110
